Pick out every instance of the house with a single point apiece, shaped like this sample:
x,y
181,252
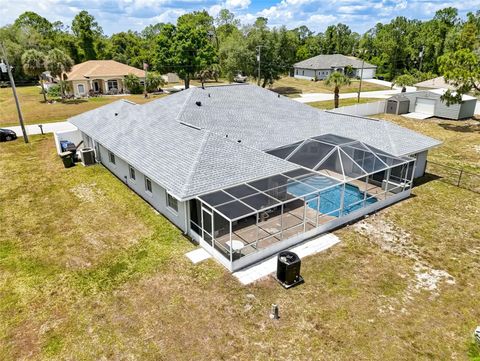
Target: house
x,y
428,103
321,66
100,77
435,83
246,172
171,78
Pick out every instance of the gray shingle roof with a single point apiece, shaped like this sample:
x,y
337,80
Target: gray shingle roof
x,y
191,149
332,61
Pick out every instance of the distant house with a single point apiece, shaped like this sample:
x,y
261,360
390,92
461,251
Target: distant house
x,y
435,83
100,77
321,66
428,103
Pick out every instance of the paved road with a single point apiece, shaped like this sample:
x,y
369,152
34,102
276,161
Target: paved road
x,y
380,94
47,128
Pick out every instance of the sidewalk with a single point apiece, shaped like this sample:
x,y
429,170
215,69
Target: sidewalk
x,y
33,129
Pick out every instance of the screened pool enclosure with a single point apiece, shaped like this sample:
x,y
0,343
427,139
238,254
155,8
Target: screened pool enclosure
x,y
338,179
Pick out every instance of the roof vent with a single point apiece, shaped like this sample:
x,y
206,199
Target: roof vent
x,y
199,103
239,141
278,95
116,114
209,95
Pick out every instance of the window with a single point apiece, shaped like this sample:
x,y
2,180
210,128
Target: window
x,y
148,185
303,72
112,84
296,71
81,88
132,173
111,156
172,203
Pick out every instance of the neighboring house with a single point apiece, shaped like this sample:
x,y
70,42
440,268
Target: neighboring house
x,y
246,172
321,66
100,77
428,103
435,83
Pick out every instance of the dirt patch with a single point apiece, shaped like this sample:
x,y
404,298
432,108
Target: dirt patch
x,y
477,148
423,278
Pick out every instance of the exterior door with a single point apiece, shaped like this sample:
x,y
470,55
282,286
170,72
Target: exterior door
x,y
96,86
425,106
97,152
392,107
207,223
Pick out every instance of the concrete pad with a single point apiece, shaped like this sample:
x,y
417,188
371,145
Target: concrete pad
x,y
198,255
420,116
269,265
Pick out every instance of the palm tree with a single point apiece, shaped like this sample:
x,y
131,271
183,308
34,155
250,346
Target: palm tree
x,y
58,63
404,81
34,65
337,80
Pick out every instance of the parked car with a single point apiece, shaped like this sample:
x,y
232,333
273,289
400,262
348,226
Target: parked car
x,y
239,78
7,134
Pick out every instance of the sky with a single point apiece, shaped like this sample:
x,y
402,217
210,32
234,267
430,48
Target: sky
x,y
121,15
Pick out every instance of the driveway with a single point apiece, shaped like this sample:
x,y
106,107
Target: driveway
x,y
47,128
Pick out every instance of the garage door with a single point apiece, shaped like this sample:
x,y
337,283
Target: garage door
x,y
425,106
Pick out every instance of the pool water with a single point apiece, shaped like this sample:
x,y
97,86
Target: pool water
x,y
330,199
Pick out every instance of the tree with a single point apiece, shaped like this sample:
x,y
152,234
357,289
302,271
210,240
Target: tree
x,y
87,30
462,70
154,81
132,83
404,81
337,80
192,48
125,47
58,63
34,64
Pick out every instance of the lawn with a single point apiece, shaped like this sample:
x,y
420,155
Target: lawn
x,y
36,111
90,271
291,85
328,104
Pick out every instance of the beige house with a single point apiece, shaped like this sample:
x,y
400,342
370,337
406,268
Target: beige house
x,y
100,77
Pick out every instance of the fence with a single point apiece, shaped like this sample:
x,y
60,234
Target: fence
x,y
455,176
363,109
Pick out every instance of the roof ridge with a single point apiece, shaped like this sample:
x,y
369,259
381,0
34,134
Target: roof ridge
x,y
205,136
184,105
392,143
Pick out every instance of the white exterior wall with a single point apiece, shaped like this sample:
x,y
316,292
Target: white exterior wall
x,y
308,74
157,199
420,164
367,73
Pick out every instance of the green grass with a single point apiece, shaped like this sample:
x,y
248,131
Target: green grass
x,y
35,110
90,271
329,104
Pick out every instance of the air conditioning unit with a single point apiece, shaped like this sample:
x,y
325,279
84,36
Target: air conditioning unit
x,y
88,156
288,269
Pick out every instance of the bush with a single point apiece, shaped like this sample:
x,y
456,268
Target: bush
x,y
154,82
132,83
54,91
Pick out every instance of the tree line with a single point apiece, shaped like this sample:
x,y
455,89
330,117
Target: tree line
x,y
202,46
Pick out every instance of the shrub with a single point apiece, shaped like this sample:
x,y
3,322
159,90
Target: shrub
x,y
54,91
132,83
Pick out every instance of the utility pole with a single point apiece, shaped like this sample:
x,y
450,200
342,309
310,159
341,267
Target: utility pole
x,y
361,76
259,49
145,68
14,90
360,84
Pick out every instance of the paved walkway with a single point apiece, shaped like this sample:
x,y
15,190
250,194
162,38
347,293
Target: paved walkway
x,y
269,265
379,94
47,128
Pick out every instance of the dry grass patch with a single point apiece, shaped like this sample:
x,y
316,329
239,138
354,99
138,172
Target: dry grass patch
x,y
293,85
140,298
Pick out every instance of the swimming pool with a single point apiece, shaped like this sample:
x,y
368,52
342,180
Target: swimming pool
x,y
330,199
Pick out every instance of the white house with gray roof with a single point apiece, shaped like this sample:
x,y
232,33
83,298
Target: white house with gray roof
x,y
246,172
321,66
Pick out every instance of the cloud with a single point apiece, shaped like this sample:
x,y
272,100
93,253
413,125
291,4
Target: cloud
x,y
121,15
